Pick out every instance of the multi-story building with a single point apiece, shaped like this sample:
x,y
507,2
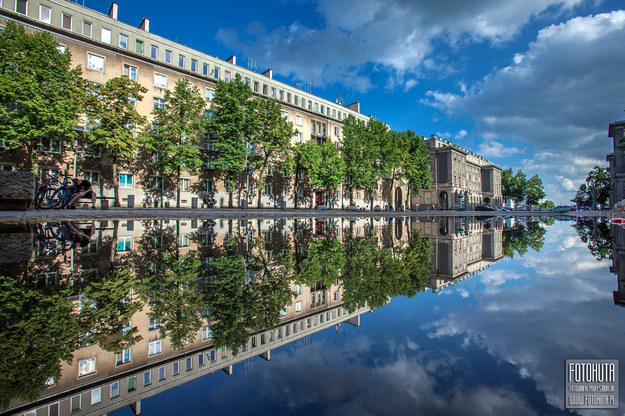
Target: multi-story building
x,y
460,179
617,162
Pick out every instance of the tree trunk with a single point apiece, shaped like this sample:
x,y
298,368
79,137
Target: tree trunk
x,y
115,183
178,189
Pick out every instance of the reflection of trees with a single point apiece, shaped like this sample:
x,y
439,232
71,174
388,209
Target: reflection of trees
x,y
237,306
37,331
519,237
174,297
324,261
372,276
105,310
596,234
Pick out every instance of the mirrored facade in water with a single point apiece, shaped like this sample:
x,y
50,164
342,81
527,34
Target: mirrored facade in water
x,y
102,315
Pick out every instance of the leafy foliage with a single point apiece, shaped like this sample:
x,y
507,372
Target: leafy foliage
x,y
41,96
597,184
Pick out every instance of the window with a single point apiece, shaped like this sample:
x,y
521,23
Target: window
x,y
123,41
154,323
181,61
45,14
115,389
193,65
322,108
139,46
299,137
96,396
284,311
61,48
213,355
156,183
95,62
247,81
155,347
268,189
124,357
147,378
160,81
50,145
205,69
20,6
206,333
209,163
130,72
154,52
255,86
132,383
189,364
285,115
185,184
124,244
337,131
86,366
264,89
184,240
162,373
125,180
273,92
86,29
337,295
66,21
200,359
158,103
209,186
210,94
175,368
75,403
168,56
216,74
298,306
105,35
288,97
299,120
298,289
227,76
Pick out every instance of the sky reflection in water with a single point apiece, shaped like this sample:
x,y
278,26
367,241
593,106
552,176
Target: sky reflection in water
x,y
494,343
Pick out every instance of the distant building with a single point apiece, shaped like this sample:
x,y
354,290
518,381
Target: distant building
x,y
617,162
460,179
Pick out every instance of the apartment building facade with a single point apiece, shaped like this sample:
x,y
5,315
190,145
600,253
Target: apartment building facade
x,y
461,179
616,159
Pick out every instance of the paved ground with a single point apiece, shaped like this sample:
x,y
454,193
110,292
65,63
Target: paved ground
x,y
16,217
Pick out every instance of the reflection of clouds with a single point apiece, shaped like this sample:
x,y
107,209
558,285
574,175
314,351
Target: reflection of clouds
x,y
494,277
563,310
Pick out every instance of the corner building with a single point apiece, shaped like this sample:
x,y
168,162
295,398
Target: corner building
x,y
106,48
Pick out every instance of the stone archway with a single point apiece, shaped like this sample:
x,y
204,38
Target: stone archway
x,y
399,199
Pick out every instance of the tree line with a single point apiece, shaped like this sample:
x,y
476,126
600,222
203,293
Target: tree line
x,y
42,97
517,187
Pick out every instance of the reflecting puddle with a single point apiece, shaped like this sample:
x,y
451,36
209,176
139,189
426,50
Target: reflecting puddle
x,y
100,316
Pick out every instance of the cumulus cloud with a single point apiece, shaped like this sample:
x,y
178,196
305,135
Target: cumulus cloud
x,y
396,35
496,149
461,134
557,97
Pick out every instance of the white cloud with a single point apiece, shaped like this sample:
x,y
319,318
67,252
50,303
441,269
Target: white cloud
x,y
496,149
557,97
397,35
461,134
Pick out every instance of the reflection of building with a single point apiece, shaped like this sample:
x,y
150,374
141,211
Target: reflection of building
x,y
617,163
460,179
99,382
461,247
617,233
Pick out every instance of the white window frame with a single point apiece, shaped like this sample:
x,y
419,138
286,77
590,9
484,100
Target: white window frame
x,y
84,366
298,306
129,71
106,35
206,333
122,36
115,391
185,184
41,17
299,137
194,65
125,356
25,7
71,403
168,55
299,120
154,51
160,80
89,25
125,239
71,21
96,395
125,184
155,347
210,94
93,60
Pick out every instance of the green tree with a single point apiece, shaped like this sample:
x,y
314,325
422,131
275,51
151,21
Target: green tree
x,y
272,142
416,167
360,155
507,184
41,96
596,235
175,299
176,129
38,330
307,158
535,191
547,204
113,120
107,309
324,261
519,238
595,190
234,123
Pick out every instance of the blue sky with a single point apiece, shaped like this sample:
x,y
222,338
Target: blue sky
x,y
530,84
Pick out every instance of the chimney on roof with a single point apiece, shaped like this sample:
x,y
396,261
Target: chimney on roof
x,y
268,73
355,106
145,24
232,60
113,10
433,136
